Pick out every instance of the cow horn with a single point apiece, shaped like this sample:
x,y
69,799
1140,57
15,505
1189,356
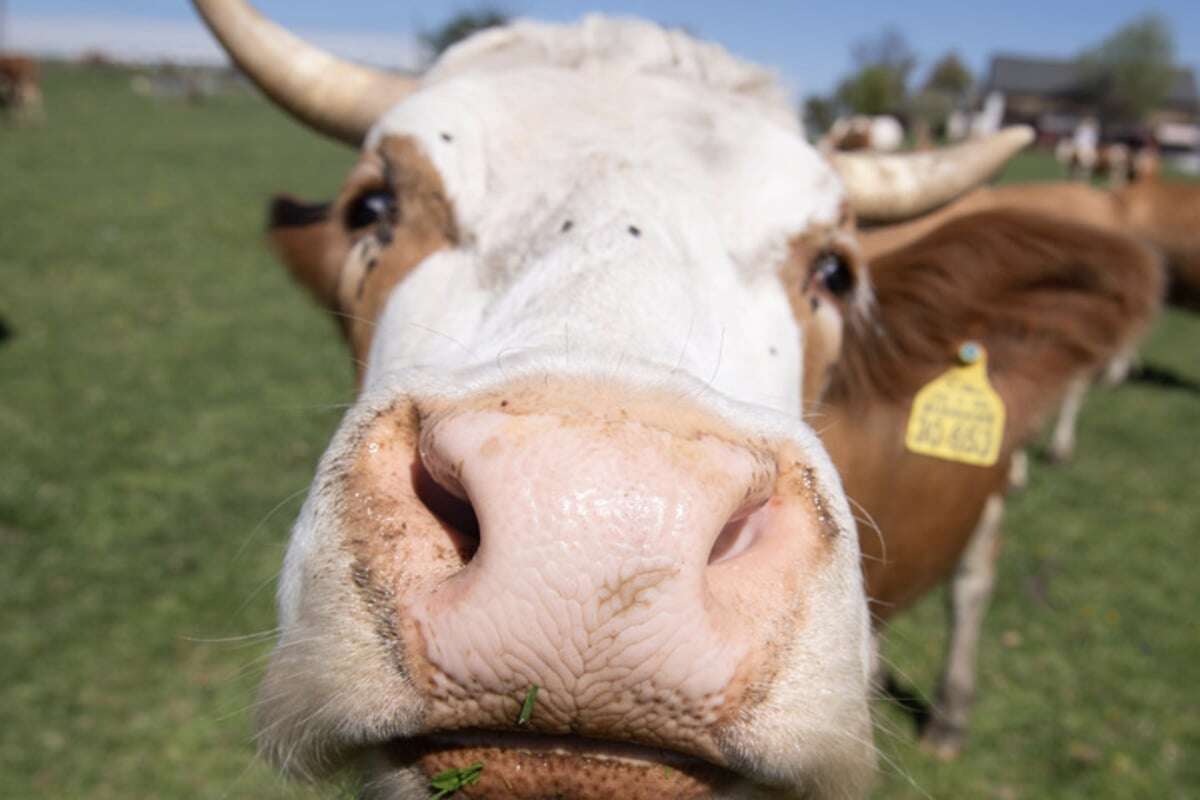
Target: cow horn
x,y
335,97
895,186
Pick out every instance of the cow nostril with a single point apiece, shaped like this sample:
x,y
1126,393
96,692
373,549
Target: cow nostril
x,y
738,536
456,515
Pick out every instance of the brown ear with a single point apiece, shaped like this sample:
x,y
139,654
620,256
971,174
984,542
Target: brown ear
x,y
1048,299
303,236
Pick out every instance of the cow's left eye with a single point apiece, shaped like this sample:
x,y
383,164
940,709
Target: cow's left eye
x,y
832,272
370,208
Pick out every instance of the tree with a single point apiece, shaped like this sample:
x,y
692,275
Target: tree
x,y
819,113
1131,72
933,108
945,90
880,84
950,77
872,90
460,26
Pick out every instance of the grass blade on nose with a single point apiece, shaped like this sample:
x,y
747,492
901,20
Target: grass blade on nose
x,y
527,706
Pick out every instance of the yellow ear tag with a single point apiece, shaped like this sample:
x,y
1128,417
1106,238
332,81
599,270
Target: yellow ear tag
x,y
958,416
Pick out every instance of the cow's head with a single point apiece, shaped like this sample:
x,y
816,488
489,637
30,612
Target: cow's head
x,y
583,271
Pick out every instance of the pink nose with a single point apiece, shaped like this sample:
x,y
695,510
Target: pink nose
x,y
593,499
606,573
635,570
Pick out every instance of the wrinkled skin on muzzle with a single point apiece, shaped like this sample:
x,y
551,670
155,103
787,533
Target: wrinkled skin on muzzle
x,y
581,299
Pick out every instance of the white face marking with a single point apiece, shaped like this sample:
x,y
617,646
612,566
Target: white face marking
x,y
611,216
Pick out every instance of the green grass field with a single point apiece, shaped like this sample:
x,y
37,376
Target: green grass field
x,y
167,393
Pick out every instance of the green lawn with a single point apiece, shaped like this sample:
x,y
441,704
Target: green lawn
x,y
167,393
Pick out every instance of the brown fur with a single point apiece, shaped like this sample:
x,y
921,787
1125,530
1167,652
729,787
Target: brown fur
x,y
300,233
1167,214
1047,299
820,314
18,70
1164,214
20,85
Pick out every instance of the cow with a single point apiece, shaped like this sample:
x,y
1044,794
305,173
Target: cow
x,y
1147,163
881,133
1112,161
1117,162
20,88
576,537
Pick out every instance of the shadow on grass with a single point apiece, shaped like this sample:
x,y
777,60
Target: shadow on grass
x,y
909,701
1164,378
1145,374
6,331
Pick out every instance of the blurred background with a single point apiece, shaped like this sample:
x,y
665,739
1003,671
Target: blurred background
x,y
165,391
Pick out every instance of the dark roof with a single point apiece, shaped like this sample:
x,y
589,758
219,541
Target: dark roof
x,y
1052,76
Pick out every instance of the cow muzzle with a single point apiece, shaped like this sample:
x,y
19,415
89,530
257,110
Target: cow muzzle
x,y
590,591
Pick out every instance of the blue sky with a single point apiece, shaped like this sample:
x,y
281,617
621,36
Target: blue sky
x,y
808,43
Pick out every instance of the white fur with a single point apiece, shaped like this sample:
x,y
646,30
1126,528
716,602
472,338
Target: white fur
x,y
714,175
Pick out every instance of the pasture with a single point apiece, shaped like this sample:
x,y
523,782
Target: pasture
x,y
166,393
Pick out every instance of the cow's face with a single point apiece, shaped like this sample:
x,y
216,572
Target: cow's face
x,y
588,275
688,234
577,461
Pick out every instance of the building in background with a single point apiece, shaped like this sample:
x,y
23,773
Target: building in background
x,y
1052,96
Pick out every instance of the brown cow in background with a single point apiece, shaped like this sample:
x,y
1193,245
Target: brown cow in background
x,y
20,88
880,133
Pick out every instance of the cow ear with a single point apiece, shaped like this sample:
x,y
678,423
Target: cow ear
x,y
304,237
1048,299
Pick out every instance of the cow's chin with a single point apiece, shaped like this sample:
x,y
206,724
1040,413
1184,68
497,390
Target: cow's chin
x,y
519,766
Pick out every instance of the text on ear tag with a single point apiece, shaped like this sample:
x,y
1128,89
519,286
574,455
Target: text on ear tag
x,y
958,416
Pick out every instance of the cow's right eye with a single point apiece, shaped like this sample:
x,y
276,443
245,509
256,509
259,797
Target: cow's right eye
x,y
832,272
371,208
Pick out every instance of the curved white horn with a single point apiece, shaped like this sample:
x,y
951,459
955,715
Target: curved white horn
x,y
895,186
336,97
